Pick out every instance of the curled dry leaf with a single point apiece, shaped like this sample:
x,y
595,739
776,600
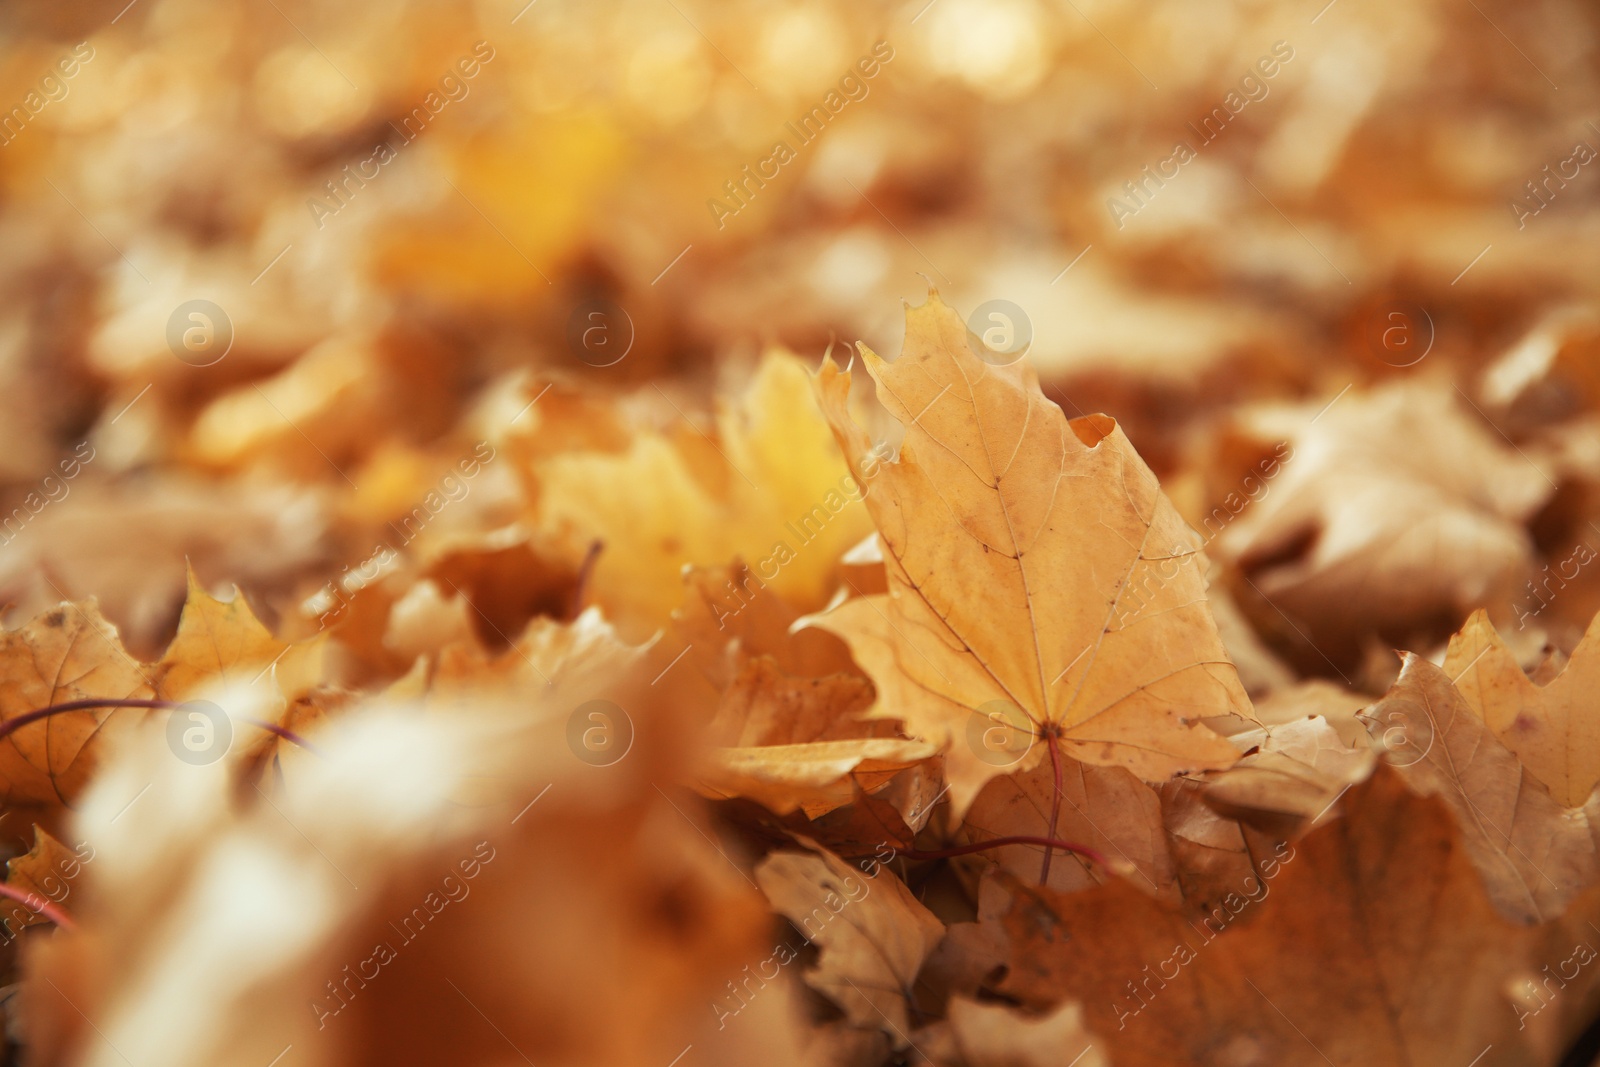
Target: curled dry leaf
x,y
874,935
815,777
1035,571
728,616
1292,776
1391,509
786,738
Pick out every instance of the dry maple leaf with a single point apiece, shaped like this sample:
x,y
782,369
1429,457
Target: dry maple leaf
x,y
873,933
46,873
222,652
1534,854
729,615
800,743
816,777
764,706
1294,772
1107,808
1036,573
69,653
789,742
219,643
1395,507
769,488
1551,727
1369,941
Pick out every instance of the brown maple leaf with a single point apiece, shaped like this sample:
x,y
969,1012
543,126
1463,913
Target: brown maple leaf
x,y
1534,854
1370,940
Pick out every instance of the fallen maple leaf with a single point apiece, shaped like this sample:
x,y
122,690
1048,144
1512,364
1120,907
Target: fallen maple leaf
x,y
799,742
729,616
69,653
1370,940
874,935
788,724
1106,808
1551,726
1534,854
1395,507
769,487
44,877
1036,574
816,777
218,643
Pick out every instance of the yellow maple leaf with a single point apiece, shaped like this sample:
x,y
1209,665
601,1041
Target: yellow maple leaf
x,y
1040,583
774,492
218,642
1550,727
67,654
44,875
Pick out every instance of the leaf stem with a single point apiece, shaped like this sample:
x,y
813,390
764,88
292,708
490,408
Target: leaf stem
x,y
38,905
1055,803
999,842
11,726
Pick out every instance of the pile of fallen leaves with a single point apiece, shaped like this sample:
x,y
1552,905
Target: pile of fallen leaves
x,y
1000,797
466,602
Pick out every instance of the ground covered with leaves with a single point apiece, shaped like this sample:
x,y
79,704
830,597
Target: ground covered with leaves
x,y
977,532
